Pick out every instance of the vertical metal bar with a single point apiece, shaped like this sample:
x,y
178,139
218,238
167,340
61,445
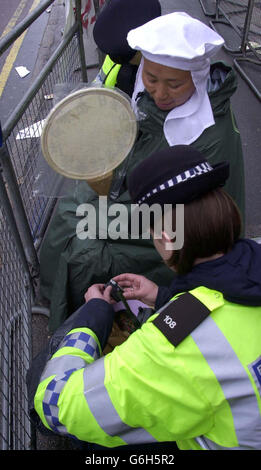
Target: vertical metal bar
x,y
217,9
14,229
78,4
18,208
29,332
247,26
5,428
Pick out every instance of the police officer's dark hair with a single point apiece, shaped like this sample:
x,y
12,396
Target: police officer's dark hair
x,y
212,224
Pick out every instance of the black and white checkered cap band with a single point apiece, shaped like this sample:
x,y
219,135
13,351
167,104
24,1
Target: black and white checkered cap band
x,y
198,170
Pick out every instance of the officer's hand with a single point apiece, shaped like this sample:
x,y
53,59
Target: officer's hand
x,y
97,292
138,288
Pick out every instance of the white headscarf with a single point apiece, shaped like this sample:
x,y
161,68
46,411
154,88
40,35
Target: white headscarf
x,y
177,40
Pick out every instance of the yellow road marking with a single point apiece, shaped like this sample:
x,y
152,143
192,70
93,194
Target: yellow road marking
x,y
14,18
9,62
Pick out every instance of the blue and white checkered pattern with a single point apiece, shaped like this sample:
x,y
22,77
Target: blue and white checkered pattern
x,y
186,175
50,403
83,341
56,366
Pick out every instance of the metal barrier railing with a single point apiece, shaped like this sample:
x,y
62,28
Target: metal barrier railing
x,y
239,22
235,15
15,331
23,219
23,153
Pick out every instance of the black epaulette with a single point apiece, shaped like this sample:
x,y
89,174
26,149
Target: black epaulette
x,y
180,317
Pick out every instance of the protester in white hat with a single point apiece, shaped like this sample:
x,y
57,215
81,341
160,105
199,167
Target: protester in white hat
x,y
181,47
175,71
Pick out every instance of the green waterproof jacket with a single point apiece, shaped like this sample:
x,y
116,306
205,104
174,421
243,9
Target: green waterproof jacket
x,y
69,264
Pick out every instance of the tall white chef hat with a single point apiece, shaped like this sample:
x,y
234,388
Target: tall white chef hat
x,y
177,40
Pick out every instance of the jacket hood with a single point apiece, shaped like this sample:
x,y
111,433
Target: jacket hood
x,y
237,275
222,84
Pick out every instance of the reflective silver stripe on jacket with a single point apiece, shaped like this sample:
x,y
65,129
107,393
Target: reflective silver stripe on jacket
x,y
100,78
103,410
78,340
207,444
235,384
58,365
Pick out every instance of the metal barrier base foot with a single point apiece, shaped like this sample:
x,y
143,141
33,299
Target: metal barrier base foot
x,y
40,310
228,49
211,14
244,75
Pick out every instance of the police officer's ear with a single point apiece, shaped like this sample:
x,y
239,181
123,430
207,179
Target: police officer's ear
x,y
162,242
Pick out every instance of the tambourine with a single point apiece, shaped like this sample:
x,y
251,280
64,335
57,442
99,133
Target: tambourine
x,y
88,134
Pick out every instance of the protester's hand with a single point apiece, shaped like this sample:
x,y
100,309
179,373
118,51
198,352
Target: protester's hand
x,y
97,291
138,288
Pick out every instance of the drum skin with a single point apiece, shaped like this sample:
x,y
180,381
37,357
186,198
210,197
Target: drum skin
x,y
89,133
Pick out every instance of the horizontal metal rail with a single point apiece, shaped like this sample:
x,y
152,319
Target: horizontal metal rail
x,y
22,106
245,76
10,37
208,7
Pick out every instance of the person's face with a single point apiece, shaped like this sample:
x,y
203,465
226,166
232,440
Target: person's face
x,y
167,86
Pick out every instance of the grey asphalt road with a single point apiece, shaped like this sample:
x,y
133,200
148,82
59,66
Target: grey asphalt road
x,y
26,55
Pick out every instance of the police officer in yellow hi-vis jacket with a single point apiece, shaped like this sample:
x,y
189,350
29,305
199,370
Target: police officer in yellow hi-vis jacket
x,y
192,372
110,31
